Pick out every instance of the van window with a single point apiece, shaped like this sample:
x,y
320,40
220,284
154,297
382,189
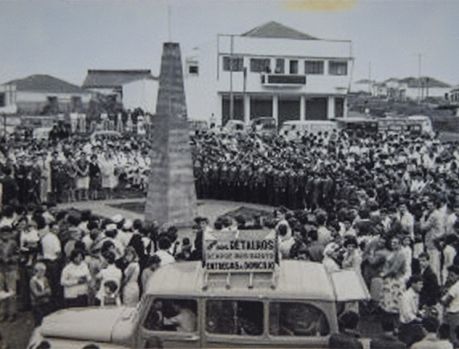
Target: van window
x,y
297,319
175,315
230,317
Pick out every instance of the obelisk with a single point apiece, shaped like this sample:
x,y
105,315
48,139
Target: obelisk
x,y
171,196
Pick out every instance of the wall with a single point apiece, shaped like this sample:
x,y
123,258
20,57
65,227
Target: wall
x,y
141,94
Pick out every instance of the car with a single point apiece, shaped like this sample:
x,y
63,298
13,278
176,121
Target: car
x,y
235,126
240,296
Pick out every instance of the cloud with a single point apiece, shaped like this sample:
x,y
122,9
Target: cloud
x,y
319,5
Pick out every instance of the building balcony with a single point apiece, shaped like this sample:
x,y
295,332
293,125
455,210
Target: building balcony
x,y
283,80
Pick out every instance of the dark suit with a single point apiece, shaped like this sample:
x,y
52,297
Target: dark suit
x,y
430,293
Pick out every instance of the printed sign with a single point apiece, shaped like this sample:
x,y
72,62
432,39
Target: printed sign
x,y
246,251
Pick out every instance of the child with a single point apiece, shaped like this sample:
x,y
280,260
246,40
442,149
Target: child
x,y
40,293
111,295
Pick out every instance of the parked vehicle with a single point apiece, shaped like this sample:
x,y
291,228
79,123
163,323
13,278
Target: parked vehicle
x,y
235,126
282,309
264,126
292,130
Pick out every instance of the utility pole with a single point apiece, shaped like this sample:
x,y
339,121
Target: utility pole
x,y
169,35
370,83
419,76
231,111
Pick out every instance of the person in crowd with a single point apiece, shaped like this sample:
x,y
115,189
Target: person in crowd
x,y
410,329
330,262
185,319
352,258
8,273
451,304
431,340
392,275
130,283
153,263
348,336
75,280
109,272
164,254
388,339
40,293
95,178
111,295
430,292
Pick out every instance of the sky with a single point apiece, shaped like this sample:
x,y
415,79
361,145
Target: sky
x,y
64,38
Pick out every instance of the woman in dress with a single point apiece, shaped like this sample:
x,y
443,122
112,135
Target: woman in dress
x,y
109,179
393,279
95,180
131,278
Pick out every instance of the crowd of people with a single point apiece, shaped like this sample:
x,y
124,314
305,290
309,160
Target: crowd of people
x,y
385,206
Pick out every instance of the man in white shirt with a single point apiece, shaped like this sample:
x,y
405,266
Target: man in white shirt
x,y
451,303
163,253
409,306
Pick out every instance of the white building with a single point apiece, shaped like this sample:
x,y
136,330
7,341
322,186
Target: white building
x,y
454,95
272,70
42,94
133,88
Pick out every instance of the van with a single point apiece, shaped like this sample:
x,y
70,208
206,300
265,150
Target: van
x,y
240,297
264,126
292,130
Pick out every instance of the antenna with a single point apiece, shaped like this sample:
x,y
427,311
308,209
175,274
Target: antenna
x,y
169,35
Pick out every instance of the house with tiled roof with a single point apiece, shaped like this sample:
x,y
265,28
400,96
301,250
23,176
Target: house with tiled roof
x,y
134,88
412,88
271,70
43,94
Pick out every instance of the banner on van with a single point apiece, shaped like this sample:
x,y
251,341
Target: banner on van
x,y
244,251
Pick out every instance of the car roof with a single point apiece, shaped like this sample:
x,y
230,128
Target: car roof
x,y
293,280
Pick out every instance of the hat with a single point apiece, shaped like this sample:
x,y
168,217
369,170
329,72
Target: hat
x,y
127,224
110,227
117,219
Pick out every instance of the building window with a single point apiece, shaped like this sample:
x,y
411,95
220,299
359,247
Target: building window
x,y
237,65
337,68
314,67
260,65
193,69
293,67
279,66
2,100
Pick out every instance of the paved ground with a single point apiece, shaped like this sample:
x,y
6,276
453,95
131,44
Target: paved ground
x,y
208,208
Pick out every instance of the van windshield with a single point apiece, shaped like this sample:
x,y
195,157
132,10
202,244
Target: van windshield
x,y
230,317
297,319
